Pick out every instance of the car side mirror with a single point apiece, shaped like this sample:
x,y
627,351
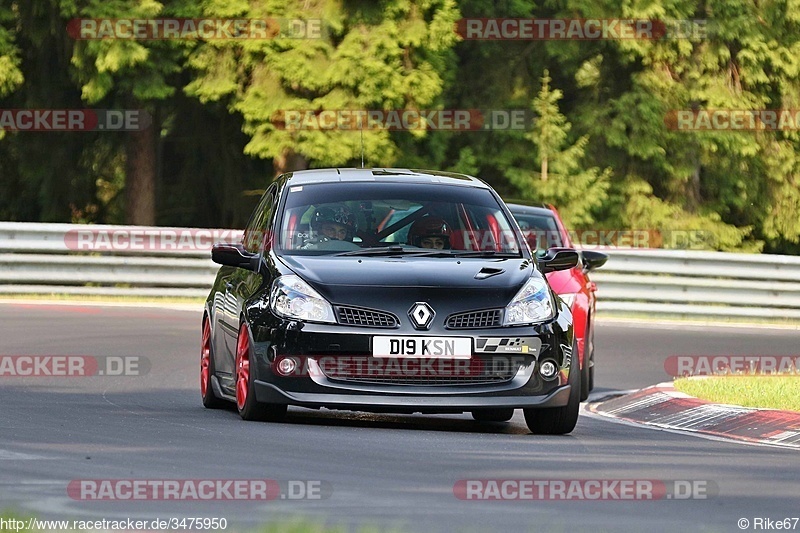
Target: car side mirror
x,y
558,259
235,255
593,260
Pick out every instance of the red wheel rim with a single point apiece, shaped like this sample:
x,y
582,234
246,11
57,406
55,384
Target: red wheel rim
x,y
205,358
242,367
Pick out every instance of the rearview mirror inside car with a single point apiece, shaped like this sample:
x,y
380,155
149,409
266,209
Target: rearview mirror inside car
x,y
558,259
234,254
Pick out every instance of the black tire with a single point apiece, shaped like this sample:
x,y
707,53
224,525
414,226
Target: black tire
x,y
210,400
587,370
263,412
251,409
500,414
558,420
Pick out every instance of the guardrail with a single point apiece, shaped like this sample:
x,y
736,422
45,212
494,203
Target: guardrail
x,y
699,284
50,259
104,260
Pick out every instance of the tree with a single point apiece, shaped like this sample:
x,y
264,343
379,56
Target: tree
x,y
729,182
130,74
562,180
47,176
10,73
217,110
391,54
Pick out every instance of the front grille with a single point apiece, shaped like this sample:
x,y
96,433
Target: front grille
x,y
476,371
355,316
489,318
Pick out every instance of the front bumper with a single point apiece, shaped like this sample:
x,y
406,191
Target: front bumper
x,y
275,339
419,403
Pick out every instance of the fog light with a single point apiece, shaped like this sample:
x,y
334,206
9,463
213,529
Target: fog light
x,y
286,366
548,370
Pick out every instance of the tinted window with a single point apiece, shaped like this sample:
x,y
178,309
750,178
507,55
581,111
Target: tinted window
x,y
541,231
254,234
336,217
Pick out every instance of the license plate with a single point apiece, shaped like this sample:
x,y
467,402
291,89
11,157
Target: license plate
x,y
440,347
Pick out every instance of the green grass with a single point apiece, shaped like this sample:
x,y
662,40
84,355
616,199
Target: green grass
x,y
291,525
774,392
304,526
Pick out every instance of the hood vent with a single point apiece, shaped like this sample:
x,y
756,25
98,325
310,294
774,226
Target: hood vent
x,y
488,272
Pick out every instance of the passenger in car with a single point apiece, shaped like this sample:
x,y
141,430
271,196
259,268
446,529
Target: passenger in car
x,y
430,232
335,222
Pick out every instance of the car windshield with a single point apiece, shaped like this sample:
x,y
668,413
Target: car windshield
x,y
394,218
541,231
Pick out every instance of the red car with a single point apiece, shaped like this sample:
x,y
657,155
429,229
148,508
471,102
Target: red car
x,y
543,229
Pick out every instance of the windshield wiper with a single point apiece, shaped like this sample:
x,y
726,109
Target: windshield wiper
x,y
485,253
424,252
393,250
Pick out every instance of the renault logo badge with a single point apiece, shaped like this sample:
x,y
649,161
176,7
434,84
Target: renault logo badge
x,y
421,315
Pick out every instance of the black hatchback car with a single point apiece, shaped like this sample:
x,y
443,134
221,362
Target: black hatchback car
x,y
388,290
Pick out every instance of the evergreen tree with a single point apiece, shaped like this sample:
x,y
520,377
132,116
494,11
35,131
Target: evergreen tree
x,y
10,74
562,179
391,54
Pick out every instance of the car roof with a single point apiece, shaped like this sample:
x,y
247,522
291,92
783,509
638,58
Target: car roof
x,y
395,175
540,209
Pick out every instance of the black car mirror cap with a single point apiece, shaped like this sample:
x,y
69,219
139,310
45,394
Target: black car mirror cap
x,y
593,260
235,255
558,259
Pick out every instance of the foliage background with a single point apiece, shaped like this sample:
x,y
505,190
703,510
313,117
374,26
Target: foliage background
x,y
600,149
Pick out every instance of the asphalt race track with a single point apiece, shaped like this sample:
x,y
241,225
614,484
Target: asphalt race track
x,y
389,471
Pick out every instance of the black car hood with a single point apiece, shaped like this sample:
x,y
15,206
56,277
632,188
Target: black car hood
x,y
378,282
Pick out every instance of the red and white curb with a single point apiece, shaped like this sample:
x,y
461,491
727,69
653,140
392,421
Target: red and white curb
x,y
661,406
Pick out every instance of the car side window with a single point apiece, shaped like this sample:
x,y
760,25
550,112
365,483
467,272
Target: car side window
x,y
256,231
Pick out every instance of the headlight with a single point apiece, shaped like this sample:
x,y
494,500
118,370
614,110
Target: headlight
x,y
291,297
531,304
569,298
